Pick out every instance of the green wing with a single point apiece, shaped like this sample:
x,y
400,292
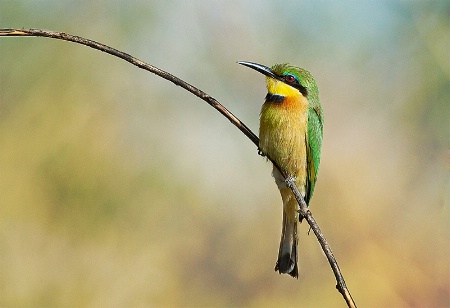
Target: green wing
x,y
313,148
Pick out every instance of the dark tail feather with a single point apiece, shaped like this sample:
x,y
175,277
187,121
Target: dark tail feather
x,y
287,255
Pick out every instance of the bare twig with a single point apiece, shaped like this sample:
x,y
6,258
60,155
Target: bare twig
x,y
290,182
141,64
306,214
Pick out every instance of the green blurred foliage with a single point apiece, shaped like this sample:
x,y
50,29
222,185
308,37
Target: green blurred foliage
x,y
119,189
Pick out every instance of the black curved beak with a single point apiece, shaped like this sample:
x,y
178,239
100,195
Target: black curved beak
x,y
260,68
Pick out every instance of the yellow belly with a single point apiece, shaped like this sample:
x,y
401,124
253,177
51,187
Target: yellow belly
x,y
283,134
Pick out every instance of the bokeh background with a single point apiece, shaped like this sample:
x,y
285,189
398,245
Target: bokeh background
x,y
119,189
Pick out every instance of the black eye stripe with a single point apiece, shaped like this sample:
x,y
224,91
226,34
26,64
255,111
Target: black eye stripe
x,y
302,89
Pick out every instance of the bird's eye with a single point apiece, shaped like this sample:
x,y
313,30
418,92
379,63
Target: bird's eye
x,y
289,78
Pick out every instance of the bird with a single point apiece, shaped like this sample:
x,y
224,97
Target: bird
x,y
290,134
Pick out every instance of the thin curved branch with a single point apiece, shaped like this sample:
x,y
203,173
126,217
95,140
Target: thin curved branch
x,y
290,182
141,64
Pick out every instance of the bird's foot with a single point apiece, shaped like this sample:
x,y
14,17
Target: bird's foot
x,y
261,153
290,180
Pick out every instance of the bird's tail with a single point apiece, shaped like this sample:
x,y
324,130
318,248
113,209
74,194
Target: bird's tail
x,y
287,255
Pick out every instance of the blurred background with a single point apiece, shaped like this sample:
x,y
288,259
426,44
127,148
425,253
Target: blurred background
x,y
119,189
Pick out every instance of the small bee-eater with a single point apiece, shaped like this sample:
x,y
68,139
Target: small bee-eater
x,y
290,134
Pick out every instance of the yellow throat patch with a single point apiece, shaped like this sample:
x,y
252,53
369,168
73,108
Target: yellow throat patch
x,y
280,88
